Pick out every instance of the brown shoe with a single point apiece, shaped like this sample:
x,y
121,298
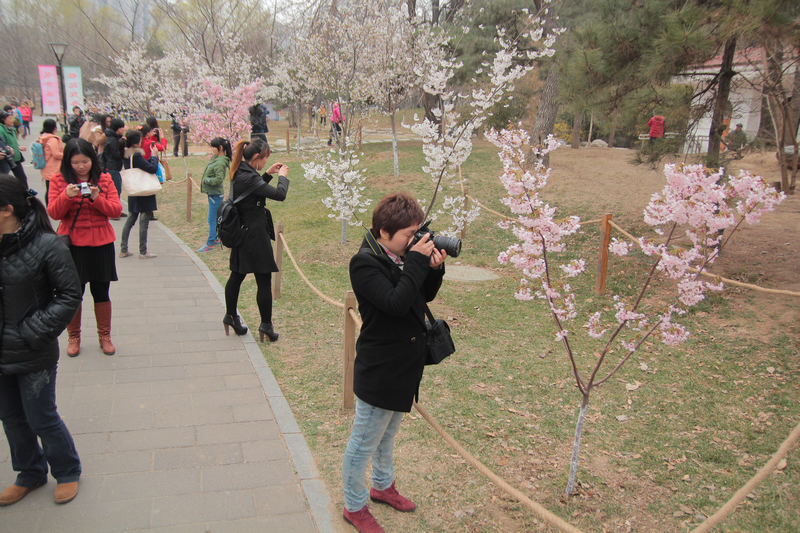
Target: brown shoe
x,y
15,493
74,334
102,313
363,521
66,492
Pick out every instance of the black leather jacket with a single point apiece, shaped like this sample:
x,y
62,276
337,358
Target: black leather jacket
x,y
40,293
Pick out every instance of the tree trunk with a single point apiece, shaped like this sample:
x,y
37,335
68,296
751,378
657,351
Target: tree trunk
x,y
429,103
299,131
796,102
435,12
721,104
614,117
576,130
576,445
591,125
548,109
394,148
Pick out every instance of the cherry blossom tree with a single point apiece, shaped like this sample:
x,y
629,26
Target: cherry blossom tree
x,y
135,84
695,202
225,113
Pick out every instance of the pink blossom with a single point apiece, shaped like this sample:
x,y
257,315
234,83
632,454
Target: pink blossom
x,y
618,247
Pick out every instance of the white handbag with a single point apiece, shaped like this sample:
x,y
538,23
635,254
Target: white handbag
x,y
137,182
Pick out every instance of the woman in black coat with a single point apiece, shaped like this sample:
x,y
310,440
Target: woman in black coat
x,y
40,293
255,254
392,281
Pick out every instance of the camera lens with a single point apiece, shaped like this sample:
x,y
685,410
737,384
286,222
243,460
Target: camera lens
x,y
451,245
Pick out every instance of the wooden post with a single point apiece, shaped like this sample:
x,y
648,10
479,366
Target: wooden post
x,y
189,197
602,263
287,142
276,283
349,350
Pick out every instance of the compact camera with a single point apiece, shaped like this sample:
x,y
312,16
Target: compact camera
x,y
9,157
86,192
451,245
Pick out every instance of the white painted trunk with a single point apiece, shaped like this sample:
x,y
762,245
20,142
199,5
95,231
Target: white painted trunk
x,y
576,447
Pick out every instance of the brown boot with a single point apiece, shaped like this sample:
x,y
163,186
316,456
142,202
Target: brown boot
x,y
102,313
65,492
74,334
15,493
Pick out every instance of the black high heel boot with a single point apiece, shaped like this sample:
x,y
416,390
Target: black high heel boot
x,y
265,329
235,322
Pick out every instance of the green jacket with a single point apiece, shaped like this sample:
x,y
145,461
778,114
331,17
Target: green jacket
x,y
214,175
9,135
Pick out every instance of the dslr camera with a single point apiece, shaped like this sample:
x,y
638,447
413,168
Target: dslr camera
x,y
451,245
86,192
9,157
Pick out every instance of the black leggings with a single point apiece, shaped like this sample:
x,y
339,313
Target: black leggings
x,y
99,290
263,295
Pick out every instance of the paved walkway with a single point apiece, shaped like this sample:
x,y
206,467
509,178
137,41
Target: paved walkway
x,y
184,429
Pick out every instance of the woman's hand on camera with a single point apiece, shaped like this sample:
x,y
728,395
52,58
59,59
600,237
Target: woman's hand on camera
x,y
424,246
72,190
274,168
437,257
284,171
95,193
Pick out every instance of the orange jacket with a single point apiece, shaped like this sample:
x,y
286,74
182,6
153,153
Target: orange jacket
x,y
92,227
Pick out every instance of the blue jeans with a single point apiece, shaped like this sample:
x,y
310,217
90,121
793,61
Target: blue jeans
x,y
372,436
214,200
28,410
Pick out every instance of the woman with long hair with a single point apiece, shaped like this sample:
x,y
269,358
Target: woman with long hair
x,y
139,207
113,152
255,254
53,152
84,216
212,184
40,294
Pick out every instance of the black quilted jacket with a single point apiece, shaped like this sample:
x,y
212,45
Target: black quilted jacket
x,y
40,292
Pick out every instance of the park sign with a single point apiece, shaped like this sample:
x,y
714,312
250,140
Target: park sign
x,y
51,98
73,87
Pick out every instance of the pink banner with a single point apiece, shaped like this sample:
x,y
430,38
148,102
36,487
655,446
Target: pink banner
x,y
51,98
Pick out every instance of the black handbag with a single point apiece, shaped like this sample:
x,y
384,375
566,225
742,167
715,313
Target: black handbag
x,y
440,343
66,239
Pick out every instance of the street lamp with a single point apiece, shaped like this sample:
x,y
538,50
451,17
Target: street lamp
x,y
59,49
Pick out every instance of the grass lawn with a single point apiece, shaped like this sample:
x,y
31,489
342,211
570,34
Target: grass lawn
x,y
705,416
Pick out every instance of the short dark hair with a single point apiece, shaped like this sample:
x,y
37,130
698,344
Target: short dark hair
x,y
394,212
49,126
116,123
79,147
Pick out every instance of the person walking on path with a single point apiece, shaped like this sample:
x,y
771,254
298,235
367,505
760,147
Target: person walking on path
x,y
27,115
139,207
9,136
177,129
657,128
112,153
336,124
40,294
255,255
76,122
85,219
212,184
391,282
323,113
53,152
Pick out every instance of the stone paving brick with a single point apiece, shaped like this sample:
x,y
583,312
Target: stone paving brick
x,y
117,390
118,363
213,383
194,508
117,463
193,417
91,443
263,450
107,423
105,517
86,408
242,381
133,375
151,439
198,456
247,476
252,412
240,369
227,397
279,500
237,432
76,379
288,523
125,406
122,487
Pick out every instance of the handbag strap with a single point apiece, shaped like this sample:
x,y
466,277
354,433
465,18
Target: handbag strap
x,y
429,314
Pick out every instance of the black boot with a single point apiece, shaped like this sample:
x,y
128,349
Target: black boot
x,y
235,322
265,329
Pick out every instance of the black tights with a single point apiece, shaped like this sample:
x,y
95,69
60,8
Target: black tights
x,y
99,290
263,295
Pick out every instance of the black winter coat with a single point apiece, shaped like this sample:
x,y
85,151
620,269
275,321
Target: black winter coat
x,y
392,345
112,155
255,254
40,293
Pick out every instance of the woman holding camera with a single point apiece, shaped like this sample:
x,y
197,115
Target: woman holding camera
x,y
255,254
83,199
40,293
392,279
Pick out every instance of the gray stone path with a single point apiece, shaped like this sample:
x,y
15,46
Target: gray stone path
x,y
184,429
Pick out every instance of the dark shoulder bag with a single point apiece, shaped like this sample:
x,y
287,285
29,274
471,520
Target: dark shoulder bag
x,y
440,343
230,229
66,239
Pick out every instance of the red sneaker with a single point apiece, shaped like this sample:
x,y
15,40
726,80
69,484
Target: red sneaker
x,y
393,498
363,521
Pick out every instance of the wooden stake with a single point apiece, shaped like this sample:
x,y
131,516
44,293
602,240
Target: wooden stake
x,y
602,263
276,283
349,358
189,197
287,142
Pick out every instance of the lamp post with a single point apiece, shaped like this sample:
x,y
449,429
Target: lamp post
x,y
59,49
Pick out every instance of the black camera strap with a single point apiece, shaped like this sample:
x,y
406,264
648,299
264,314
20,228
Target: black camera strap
x,y
74,220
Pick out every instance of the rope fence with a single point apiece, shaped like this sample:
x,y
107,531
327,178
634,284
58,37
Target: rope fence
x,y
352,321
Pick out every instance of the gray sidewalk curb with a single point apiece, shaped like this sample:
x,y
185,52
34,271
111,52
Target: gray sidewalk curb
x,y
313,485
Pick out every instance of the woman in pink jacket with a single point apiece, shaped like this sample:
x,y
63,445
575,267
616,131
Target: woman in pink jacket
x,y
53,152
